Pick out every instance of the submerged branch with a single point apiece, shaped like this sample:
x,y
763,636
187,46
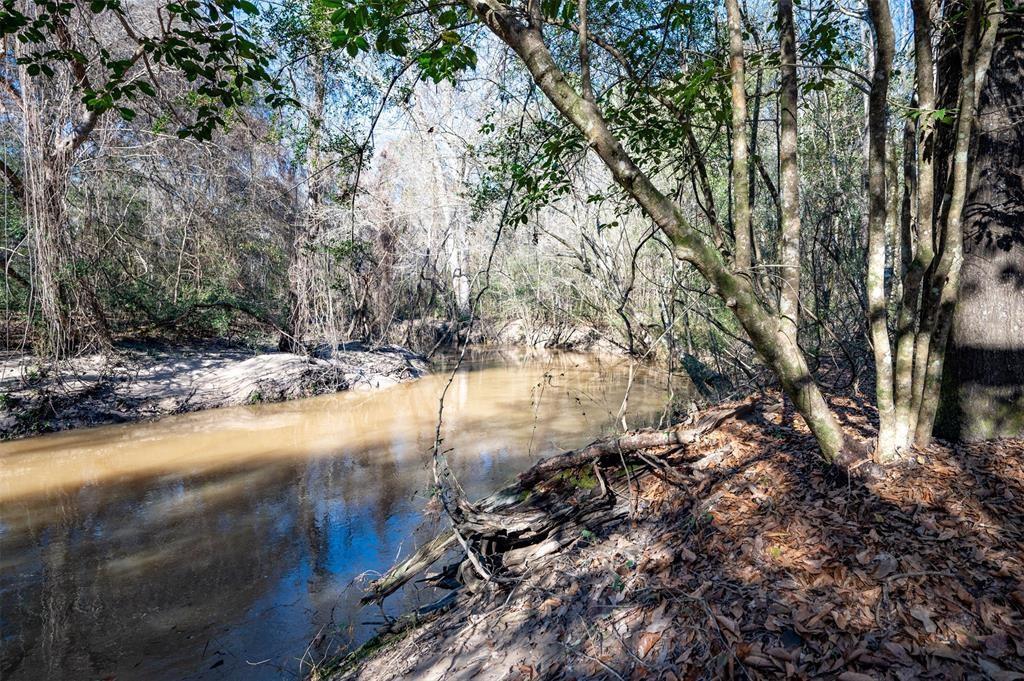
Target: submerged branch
x,y
523,522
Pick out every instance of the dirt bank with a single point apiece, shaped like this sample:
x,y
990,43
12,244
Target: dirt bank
x,y
427,335
733,555
566,337
148,381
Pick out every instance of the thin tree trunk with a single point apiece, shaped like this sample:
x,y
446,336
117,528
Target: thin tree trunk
x,y
911,339
789,181
740,151
881,21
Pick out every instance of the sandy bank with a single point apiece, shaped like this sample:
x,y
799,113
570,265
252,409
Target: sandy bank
x,y
144,382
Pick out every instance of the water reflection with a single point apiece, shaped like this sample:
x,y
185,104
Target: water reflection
x,y
218,545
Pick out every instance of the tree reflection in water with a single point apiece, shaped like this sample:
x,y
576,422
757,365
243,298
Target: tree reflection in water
x,y
218,544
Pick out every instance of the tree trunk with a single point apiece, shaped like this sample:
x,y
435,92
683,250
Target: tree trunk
x,y
452,225
741,220
911,341
72,319
978,45
983,383
881,20
789,180
310,312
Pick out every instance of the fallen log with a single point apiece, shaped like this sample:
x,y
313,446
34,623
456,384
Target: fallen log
x,y
424,557
631,442
522,527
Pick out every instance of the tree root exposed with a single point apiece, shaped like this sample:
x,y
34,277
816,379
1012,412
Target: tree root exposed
x,y
556,500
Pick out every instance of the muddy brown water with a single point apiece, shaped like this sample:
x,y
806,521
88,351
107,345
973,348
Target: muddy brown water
x,y
230,544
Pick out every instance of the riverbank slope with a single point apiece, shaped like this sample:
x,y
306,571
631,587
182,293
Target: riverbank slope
x,y
732,554
138,382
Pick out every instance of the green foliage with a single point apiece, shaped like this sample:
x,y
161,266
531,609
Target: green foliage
x,y
582,479
430,36
208,41
943,116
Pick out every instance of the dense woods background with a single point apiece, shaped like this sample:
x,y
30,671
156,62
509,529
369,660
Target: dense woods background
x,y
820,195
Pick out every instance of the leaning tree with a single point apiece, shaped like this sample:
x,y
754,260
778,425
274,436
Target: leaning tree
x,y
604,66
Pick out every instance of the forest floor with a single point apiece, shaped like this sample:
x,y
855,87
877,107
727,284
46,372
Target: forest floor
x,y
147,380
737,555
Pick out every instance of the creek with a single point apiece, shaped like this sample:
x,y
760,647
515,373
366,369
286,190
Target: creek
x,y
232,543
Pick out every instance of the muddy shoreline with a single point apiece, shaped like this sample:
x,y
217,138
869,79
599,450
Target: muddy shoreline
x,y
143,381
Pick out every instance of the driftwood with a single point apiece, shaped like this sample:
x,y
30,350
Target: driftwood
x,y
424,557
632,442
524,522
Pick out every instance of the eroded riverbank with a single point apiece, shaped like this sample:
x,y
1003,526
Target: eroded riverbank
x,y
146,382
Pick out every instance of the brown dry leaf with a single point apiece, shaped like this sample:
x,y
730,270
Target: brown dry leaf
x,y
756,660
946,652
640,674
898,652
549,604
526,671
648,640
728,624
997,673
855,676
783,654
886,565
924,616
997,644
659,620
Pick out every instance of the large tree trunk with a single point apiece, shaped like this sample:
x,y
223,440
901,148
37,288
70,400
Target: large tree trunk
x,y
72,318
930,293
310,308
983,384
940,299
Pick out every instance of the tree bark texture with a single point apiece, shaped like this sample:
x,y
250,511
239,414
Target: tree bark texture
x,y
983,384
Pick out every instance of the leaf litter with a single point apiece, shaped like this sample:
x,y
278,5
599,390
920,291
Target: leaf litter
x,y
763,565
